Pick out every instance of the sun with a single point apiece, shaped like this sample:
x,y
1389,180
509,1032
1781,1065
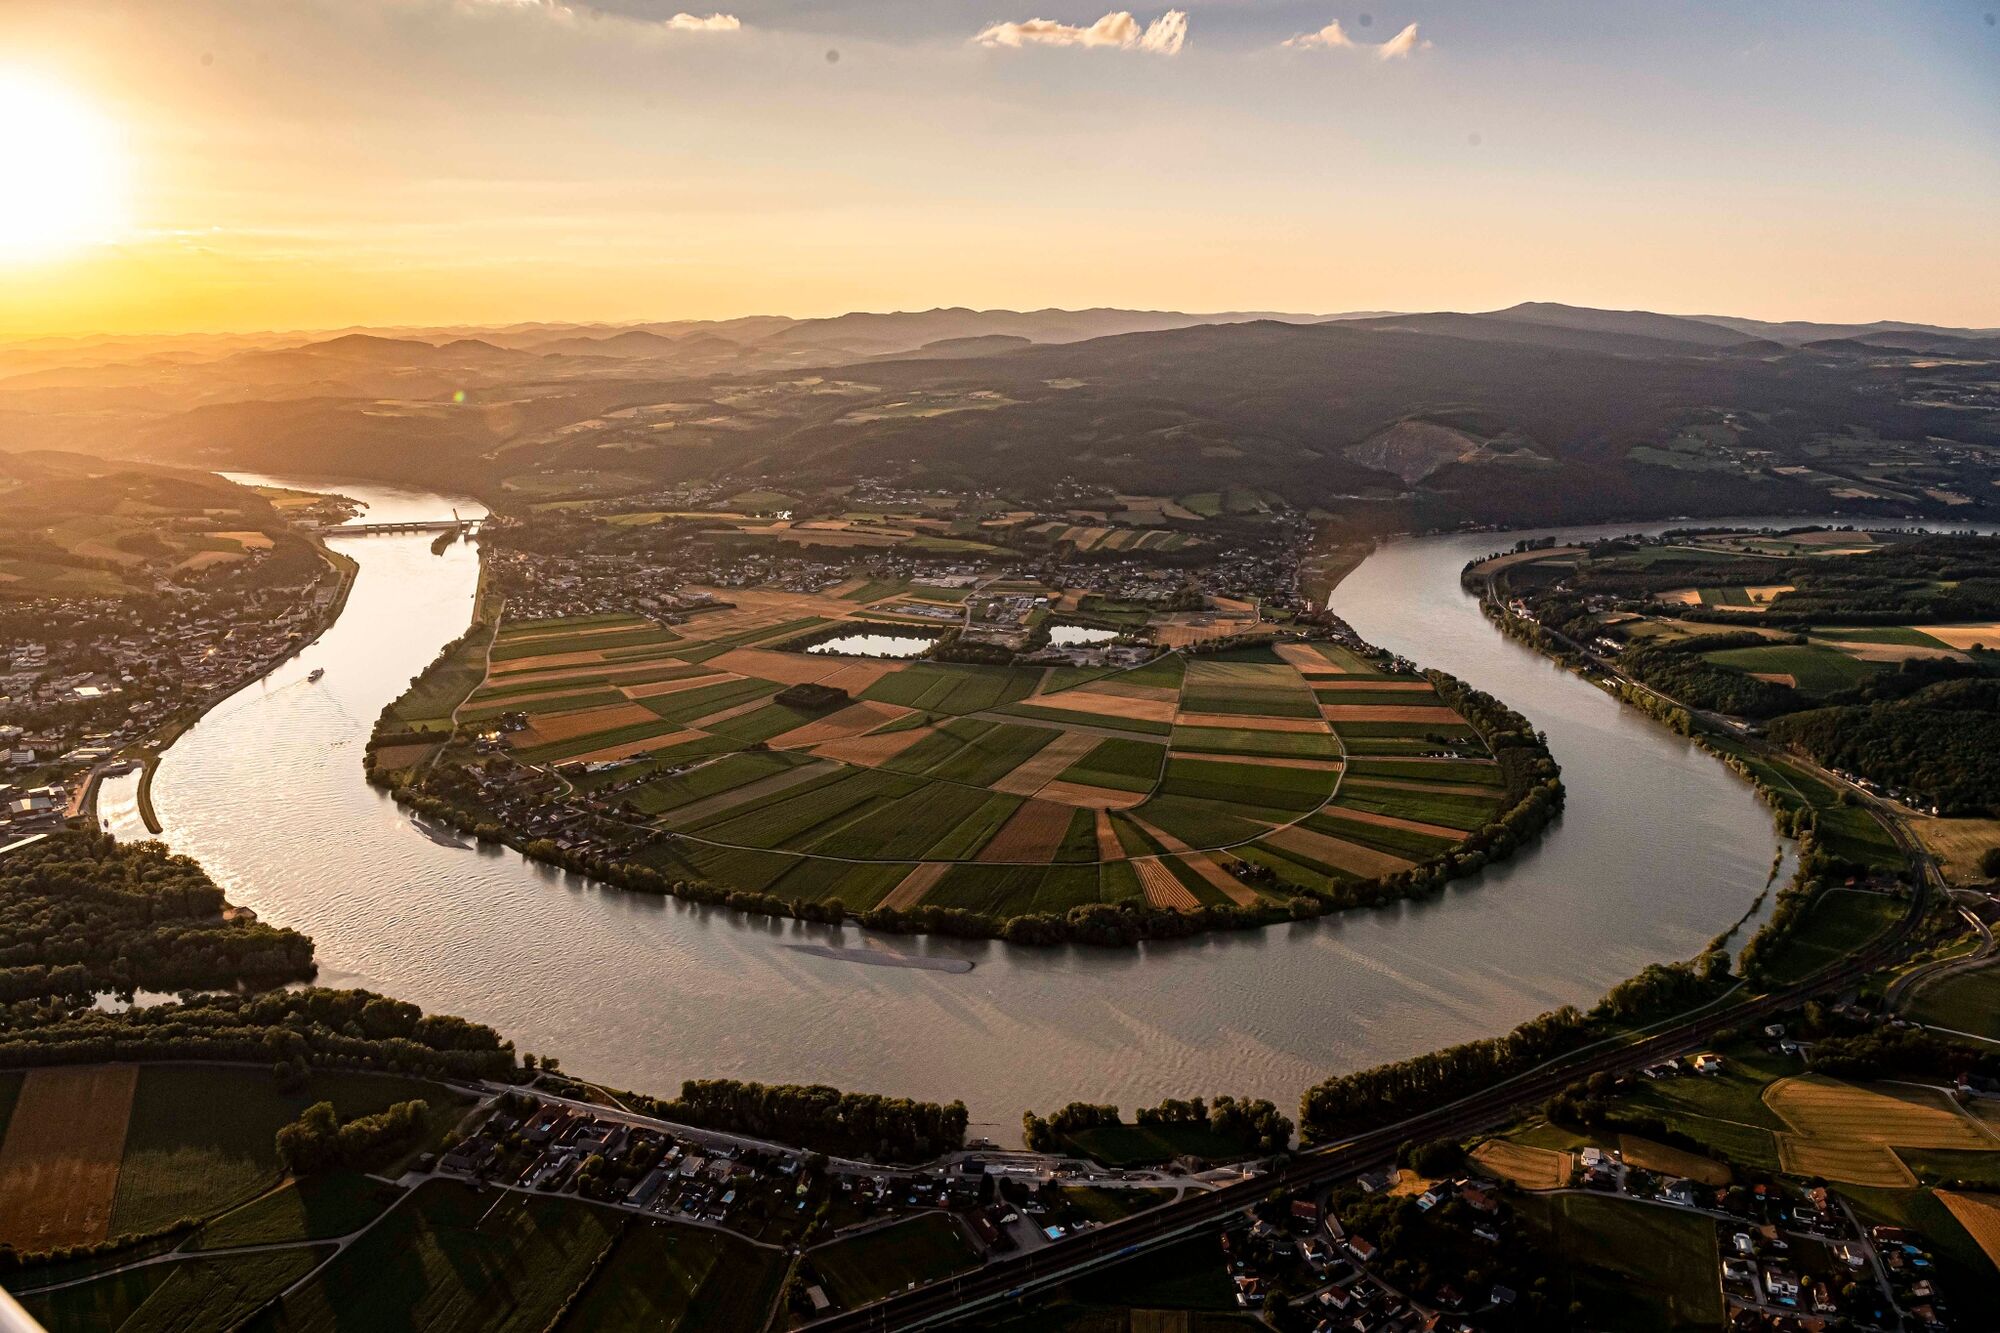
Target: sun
x,y
61,178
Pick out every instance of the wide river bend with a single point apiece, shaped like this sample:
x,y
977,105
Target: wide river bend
x,y
1660,848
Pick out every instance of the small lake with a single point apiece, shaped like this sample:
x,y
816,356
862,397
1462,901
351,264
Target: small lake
x,y
1076,636
875,645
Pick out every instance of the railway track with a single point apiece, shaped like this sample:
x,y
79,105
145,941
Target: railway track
x,y
1003,1281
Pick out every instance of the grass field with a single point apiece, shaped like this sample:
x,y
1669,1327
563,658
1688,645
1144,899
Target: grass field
x,y
454,1257
316,1208
1529,1167
1967,1002
1634,1267
1814,668
201,1139
677,1279
1837,924
870,1266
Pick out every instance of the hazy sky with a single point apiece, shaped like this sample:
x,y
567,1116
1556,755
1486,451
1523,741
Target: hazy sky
x,y
318,163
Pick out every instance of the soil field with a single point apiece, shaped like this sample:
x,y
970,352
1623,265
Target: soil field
x,y
392,757
1046,764
1338,713
1979,1214
910,890
1341,855
1033,834
1909,1117
1280,761
59,1162
1108,846
876,750
1530,1168
1372,686
1087,797
1958,843
644,745
1672,1161
1849,1161
1392,821
1250,722
656,688
1087,703
552,728
1162,888
857,719
1967,636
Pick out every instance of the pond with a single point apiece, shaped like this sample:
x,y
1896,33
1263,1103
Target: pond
x,y
875,645
1076,636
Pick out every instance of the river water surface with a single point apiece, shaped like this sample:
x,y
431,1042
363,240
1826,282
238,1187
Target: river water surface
x,y
1660,848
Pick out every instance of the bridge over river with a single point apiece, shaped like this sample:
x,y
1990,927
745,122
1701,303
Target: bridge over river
x,y
365,529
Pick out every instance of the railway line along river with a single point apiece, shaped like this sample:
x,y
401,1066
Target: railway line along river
x,y
1660,848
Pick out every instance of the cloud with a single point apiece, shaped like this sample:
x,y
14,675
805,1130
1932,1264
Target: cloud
x,y
1395,48
1164,36
1334,37
682,22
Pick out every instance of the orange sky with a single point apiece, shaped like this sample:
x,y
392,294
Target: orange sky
x,y
323,163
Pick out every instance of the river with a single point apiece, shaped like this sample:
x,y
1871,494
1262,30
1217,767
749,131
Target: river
x,y
1660,848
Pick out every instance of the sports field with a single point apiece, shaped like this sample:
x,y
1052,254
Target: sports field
x,y
1223,773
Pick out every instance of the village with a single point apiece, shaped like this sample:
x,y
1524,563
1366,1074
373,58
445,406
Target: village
x,y
103,675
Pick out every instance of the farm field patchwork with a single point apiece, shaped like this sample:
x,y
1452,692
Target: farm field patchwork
x,y
1000,790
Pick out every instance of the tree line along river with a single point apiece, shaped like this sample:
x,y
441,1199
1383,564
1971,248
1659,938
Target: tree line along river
x,y
1659,849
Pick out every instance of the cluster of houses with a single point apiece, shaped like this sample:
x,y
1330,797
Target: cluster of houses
x,y
1799,1262
556,1148
103,673
1340,1272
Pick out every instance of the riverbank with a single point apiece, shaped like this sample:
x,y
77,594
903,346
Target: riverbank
x,y
563,963
147,751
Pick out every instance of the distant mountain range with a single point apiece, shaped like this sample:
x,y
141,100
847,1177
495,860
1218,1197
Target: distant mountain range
x,y
1536,411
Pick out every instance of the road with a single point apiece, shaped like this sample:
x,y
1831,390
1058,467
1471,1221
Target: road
x,y
1006,1279
1003,1280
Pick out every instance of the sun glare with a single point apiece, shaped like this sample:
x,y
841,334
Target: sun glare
x,y
60,174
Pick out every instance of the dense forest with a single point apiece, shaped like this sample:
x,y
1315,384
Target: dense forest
x,y
1941,740
81,913
853,1124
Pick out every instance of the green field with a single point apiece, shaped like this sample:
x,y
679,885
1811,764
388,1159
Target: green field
x,y
870,1266
455,1257
1967,1002
1271,744
1447,809
1836,925
660,1276
1285,792
202,1138
316,1208
428,704
936,688
1120,765
1634,1267
1814,668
